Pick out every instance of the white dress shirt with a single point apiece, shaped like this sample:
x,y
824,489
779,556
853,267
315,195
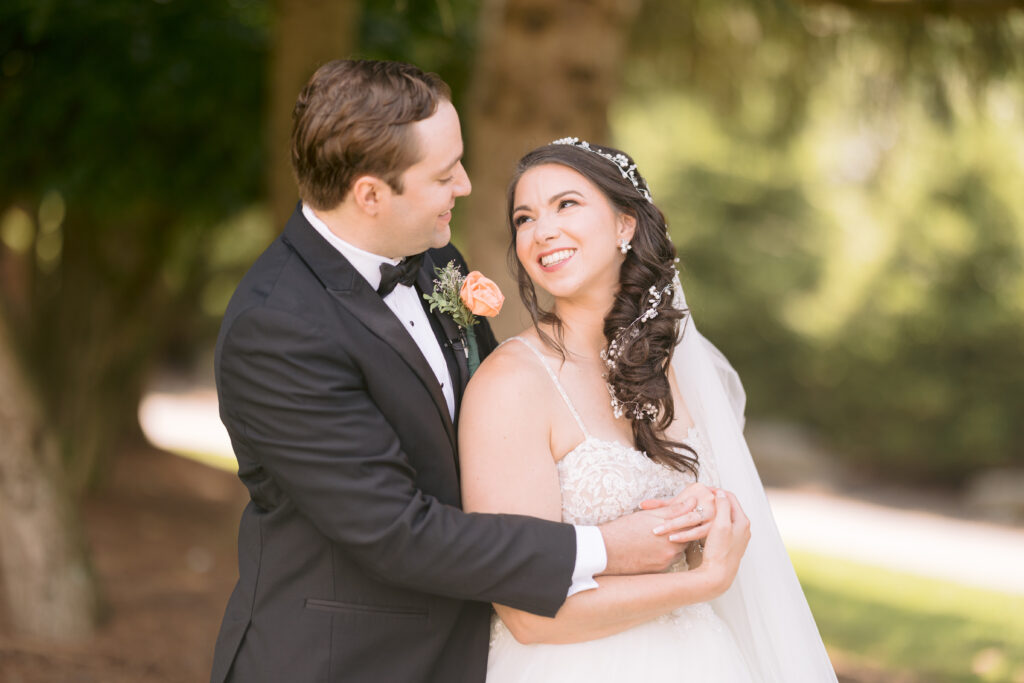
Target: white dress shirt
x,y
404,301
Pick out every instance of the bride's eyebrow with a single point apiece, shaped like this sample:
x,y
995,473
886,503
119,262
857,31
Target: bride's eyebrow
x,y
551,200
555,198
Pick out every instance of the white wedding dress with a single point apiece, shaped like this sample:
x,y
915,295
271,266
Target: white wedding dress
x,y
601,480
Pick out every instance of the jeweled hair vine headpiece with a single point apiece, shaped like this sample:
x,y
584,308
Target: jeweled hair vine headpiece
x,y
621,161
610,356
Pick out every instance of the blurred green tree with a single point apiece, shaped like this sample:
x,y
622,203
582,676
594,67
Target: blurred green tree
x,y
131,130
843,182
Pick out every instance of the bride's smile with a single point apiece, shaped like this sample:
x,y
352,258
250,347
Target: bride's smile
x,y
552,260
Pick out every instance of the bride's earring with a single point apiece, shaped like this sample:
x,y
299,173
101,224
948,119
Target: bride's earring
x,y
624,246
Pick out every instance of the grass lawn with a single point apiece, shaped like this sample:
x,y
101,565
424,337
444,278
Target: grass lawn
x,y
935,631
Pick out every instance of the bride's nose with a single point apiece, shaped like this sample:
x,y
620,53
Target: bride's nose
x,y
547,228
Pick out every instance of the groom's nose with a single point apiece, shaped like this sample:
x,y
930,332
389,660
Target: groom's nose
x,y
462,184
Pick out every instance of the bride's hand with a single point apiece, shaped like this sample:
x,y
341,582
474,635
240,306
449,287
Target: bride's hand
x,y
697,502
727,541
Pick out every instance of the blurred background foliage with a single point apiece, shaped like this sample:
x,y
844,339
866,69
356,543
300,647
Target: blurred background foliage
x,y
842,179
845,192
132,141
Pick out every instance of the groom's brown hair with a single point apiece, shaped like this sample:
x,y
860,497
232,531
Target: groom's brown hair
x,y
352,119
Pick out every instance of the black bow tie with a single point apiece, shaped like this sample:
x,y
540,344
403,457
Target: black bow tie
x,y
402,274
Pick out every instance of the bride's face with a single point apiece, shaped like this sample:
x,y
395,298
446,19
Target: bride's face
x,y
567,233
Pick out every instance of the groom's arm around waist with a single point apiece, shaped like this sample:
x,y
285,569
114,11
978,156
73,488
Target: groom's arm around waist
x,y
301,410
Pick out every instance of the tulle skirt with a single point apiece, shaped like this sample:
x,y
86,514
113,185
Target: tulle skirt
x,y
690,645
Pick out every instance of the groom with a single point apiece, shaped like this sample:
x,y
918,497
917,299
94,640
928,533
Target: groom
x,y
340,392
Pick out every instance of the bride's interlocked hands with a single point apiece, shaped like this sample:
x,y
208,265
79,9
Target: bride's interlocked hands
x,y
698,504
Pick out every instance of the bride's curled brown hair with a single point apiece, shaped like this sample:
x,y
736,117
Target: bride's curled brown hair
x,y
638,378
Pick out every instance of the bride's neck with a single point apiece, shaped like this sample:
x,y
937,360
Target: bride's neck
x,y
583,329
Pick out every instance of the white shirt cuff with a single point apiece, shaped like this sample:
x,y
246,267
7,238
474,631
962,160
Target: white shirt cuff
x,y
591,558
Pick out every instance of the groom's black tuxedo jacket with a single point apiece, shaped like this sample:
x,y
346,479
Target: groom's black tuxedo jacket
x,y
355,560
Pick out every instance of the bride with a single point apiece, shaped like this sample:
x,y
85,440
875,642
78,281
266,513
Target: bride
x,y
611,401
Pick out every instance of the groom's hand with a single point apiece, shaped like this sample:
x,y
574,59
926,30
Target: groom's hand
x,y
634,548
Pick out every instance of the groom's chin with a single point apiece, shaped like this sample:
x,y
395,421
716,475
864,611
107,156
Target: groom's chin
x,y
442,236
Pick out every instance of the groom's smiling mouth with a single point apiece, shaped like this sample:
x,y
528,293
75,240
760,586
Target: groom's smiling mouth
x,y
556,257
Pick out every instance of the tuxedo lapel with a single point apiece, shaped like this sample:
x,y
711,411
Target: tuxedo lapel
x,y
452,332
353,292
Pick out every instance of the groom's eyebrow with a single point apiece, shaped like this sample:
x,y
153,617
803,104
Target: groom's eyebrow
x,y
452,164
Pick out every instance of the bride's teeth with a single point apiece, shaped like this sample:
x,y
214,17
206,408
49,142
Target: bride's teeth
x,y
556,257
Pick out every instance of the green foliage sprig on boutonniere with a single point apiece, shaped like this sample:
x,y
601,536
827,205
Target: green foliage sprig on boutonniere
x,y
463,297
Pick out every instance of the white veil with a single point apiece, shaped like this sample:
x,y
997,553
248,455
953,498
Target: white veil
x,y
765,606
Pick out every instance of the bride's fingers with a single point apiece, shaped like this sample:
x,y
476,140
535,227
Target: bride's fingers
x,y
722,521
691,534
653,503
739,518
690,519
675,518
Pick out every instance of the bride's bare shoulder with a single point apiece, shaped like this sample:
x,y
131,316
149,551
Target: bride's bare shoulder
x,y
510,372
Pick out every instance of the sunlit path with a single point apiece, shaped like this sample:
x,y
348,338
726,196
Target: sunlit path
x,y
972,553
188,424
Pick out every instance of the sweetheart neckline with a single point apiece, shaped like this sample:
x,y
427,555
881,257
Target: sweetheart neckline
x,y
691,433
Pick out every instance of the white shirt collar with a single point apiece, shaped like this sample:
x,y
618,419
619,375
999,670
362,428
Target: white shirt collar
x,y
366,263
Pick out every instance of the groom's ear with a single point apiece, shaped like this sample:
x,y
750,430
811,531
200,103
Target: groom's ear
x,y
369,192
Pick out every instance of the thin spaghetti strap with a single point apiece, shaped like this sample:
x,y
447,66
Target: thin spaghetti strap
x,y
558,385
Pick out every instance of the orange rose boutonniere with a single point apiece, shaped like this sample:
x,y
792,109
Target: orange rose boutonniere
x,y
464,297
481,295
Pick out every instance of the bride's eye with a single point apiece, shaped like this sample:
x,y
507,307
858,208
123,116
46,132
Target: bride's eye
x,y
519,220
565,203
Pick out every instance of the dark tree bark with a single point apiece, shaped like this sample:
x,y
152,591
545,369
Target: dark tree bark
x,y
307,33
545,70
46,575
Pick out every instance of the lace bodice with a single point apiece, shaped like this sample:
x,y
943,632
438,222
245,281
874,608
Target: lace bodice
x,y
601,480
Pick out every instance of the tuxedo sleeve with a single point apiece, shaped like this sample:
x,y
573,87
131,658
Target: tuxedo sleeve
x,y
298,406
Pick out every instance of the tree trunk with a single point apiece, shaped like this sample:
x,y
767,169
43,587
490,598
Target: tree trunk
x,y
545,70
46,575
307,33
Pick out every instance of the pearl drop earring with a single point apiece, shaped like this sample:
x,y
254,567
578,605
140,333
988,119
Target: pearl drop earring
x,y
624,246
